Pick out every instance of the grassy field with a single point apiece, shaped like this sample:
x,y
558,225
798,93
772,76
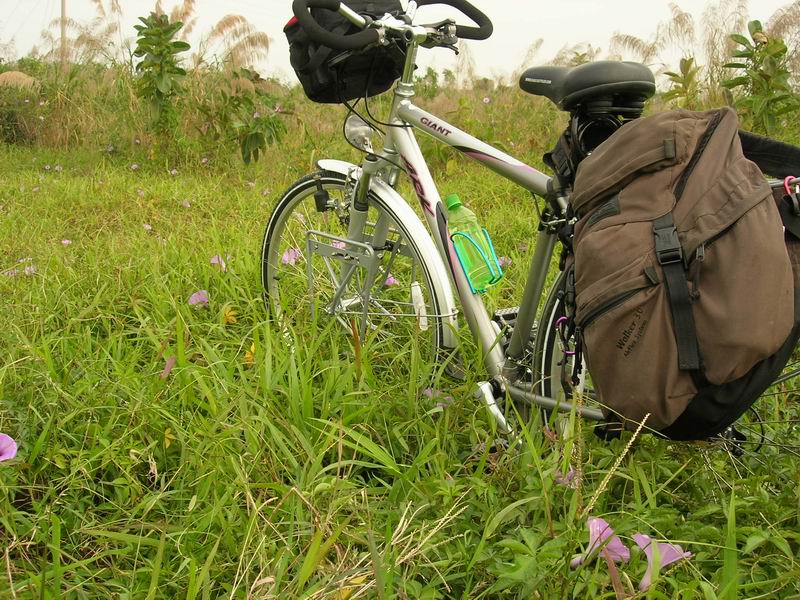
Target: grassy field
x,y
251,471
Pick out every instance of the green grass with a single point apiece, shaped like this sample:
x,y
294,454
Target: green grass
x,y
283,474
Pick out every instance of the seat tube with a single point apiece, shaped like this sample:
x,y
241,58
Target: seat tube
x,y
534,286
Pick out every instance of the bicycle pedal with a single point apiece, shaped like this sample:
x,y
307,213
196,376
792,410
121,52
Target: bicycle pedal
x,y
506,318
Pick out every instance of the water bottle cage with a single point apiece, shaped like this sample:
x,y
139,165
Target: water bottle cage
x,y
490,259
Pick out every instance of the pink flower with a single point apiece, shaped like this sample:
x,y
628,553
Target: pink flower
x,y
219,262
199,297
8,447
602,538
338,244
290,256
204,160
30,270
504,261
147,226
173,172
169,364
443,401
486,99
390,280
667,554
66,242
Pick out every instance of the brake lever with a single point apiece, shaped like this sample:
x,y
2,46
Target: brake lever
x,y
443,35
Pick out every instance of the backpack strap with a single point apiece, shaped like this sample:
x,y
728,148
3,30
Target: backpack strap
x,y
775,158
670,257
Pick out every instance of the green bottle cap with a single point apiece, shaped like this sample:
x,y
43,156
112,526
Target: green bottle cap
x,y
452,201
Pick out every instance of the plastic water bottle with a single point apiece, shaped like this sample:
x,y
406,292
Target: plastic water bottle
x,y
472,245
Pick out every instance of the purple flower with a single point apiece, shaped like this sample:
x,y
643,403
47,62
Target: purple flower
x,y
504,261
338,244
8,447
667,554
219,262
602,538
567,480
147,226
290,256
66,242
169,364
186,204
199,297
390,280
11,272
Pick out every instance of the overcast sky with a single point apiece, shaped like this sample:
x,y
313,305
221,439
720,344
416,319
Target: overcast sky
x,y
517,24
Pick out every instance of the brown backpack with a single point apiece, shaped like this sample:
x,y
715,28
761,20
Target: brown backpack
x,y
684,294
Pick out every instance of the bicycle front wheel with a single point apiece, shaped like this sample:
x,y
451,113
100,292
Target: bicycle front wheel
x,y
381,289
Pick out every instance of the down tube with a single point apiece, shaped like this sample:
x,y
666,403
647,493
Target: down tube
x,y
474,311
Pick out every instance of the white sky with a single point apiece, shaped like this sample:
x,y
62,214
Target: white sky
x,y
517,24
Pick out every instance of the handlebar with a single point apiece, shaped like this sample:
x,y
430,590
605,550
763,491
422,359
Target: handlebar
x,y
361,39
354,41
484,27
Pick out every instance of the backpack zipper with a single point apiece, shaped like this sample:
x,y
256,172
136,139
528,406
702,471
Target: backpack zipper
x,y
701,146
609,305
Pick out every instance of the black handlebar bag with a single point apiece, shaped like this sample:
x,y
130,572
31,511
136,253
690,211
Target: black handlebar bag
x,y
333,76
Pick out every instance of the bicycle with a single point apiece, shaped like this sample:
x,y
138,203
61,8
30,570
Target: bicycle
x,y
343,242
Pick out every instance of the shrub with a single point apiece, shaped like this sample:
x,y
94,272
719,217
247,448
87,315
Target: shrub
x,y
764,80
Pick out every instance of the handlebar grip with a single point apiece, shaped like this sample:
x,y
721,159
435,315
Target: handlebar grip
x,y
484,27
354,41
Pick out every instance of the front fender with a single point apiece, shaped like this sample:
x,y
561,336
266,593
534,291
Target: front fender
x,y
422,240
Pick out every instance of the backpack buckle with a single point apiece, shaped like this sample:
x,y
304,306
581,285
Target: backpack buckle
x,y
668,245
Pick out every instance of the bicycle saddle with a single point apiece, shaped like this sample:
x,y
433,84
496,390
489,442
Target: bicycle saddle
x,y
567,87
